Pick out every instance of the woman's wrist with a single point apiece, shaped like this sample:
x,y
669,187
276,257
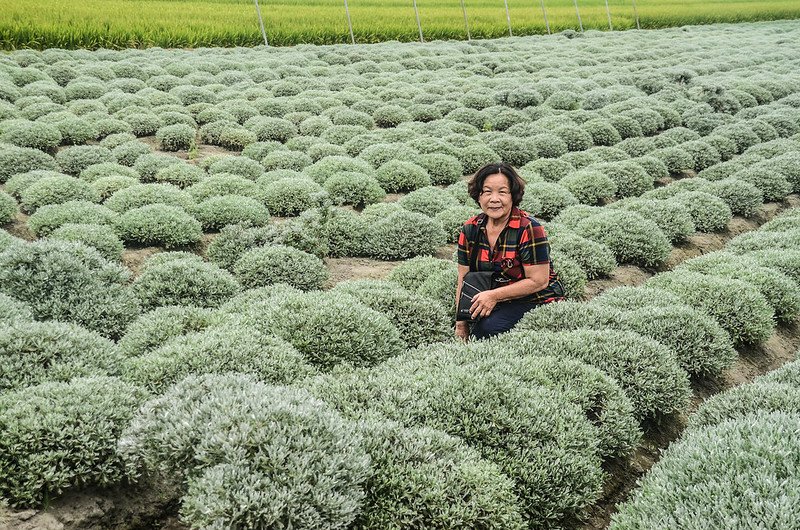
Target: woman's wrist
x,y
462,324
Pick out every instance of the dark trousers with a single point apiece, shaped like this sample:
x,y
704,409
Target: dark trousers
x,y
504,317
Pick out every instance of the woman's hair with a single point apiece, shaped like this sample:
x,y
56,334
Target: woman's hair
x,y
515,182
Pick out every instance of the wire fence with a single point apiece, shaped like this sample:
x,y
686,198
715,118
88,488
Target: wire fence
x,y
466,19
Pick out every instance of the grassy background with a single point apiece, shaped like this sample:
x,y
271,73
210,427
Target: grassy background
x,y
191,23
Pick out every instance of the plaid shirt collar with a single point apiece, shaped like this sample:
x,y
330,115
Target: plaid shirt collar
x,y
513,222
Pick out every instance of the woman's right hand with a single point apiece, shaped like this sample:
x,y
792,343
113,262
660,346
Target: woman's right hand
x,y
462,330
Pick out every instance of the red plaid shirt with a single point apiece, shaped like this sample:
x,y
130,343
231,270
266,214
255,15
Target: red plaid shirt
x,y
522,242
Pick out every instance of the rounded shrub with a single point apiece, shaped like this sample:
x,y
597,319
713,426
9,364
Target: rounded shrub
x,y
737,306
595,259
217,212
51,217
404,234
12,310
159,224
71,282
743,198
589,186
474,156
428,201
419,320
34,134
572,276
262,266
547,199
759,397
398,176
140,195
670,216
156,327
452,219
786,261
127,153
634,298
244,450
290,197
330,166
631,179
184,282
772,184
41,458
225,348
107,169
8,208
237,165
735,471
358,189
14,160
73,160
177,137
271,129
411,273
549,169
295,160
180,175
709,213
55,190
443,169
98,236
423,474
37,352
631,237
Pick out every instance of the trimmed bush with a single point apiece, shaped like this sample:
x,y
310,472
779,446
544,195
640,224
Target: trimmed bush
x,y
271,129
547,199
159,224
184,282
550,169
71,282
140,195
589,187
358,189
237,165
262,266
61,436
443,169
33,134
328,328
453,218
786,261
671,217
397,176
647,371
180,175
100,237
772,183
8,208
228,348
743,198
631,179
12,309
759,397
107,169
225,184
217,212
428,201
38,352
404,234
148,165
49,218
440,285
15,160
295,160
737,306
595,259
474,156
572,276
73,160
244,449
154,328
126,154
631,237
633,298
419,320
422,474
55,190
709,213
739,470
290,197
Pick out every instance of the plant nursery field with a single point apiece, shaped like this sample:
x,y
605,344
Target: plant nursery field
x,y
182,23
226,281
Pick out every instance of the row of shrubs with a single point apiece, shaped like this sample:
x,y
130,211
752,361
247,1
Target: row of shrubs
x,y
738,454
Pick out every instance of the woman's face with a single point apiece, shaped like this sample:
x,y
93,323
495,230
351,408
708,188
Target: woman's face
x,y
495,199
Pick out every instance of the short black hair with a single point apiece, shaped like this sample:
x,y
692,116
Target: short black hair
x,y
515,182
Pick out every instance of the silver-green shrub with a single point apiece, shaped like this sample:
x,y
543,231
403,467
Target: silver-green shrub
x,y
51,217
8,208
268,265
550,197
589,187
73,160
400,176
419,320
228,348
758,397
218,212
251,454
126,154
61,436
56,190
743,198
631,237
290,197
160,225
154,328
140,195
404,234
709,213
737,306
184,282
25,133
98,236
772,183
71,282
429,201
740,470
670,216
631,178
38,352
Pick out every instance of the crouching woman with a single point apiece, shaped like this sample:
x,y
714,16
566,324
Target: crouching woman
x,y
511,245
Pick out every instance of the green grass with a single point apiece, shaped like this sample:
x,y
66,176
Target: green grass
x,y
180,23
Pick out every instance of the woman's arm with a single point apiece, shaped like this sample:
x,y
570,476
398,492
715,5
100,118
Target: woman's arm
x,y
537,277
462,327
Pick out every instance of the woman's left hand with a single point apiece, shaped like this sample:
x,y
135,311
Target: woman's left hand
x,y
482,304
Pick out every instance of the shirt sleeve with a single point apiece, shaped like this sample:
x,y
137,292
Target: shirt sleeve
x,y
463,256
533,249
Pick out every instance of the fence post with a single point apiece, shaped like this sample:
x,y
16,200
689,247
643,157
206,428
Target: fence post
x,y
636,14
508,19
466,24
577,11
261,23
546,23
419,25
349,22
608,13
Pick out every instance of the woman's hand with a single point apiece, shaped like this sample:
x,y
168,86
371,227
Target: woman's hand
x,y
482,304
462,330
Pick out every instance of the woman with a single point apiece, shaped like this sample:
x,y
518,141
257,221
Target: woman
x,y
510,242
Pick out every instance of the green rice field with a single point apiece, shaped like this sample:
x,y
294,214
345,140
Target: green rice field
x,y
179,23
